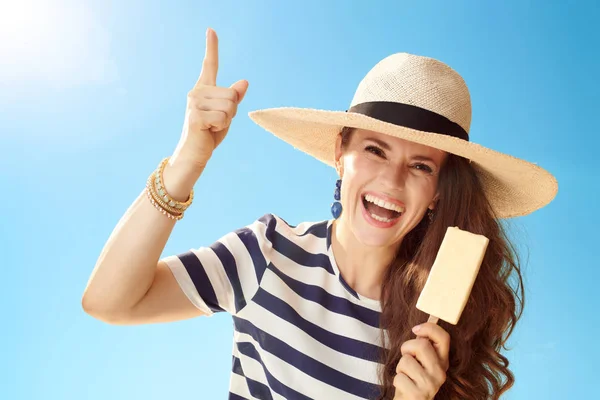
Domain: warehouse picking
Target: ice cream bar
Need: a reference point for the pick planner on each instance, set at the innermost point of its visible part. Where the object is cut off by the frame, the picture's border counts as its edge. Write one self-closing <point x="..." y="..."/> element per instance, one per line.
<point x="452" y="275"/>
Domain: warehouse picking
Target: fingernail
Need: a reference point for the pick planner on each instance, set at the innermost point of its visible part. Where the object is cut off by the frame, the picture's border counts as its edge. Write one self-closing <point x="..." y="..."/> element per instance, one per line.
<point x="416" y="328"/>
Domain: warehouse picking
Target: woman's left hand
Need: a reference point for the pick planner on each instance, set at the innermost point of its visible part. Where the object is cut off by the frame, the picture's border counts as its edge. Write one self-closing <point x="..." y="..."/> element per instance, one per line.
<point x="422" y="369"/>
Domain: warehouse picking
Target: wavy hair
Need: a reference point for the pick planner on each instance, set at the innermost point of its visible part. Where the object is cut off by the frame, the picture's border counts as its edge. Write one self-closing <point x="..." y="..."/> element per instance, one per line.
<point x="477" y="368"/>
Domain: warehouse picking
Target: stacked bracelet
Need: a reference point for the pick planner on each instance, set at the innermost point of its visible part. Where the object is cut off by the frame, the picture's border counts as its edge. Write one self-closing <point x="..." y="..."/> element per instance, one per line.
<point x="159" y="197"/>
<point x="160" y="208"/>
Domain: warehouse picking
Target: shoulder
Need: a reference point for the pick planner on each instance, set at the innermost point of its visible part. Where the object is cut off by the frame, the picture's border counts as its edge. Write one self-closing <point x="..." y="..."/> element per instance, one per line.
<point x="273" y="224"/>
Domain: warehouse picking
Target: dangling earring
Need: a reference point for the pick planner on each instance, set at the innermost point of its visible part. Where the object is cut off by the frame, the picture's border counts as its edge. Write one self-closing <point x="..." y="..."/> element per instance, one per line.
<point x="430" y="215"/>
<point x="336" y="207"/>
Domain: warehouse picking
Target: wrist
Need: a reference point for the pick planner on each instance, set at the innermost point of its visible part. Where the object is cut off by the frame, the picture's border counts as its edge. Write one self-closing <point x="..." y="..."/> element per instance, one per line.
<point x="179" y="178"/>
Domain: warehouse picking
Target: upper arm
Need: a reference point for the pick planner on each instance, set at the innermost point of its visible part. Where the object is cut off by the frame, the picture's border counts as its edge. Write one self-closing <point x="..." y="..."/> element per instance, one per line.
<point x="220" y="278"/>
<point x="163" y="302"/>
<point x="225" y="276"/>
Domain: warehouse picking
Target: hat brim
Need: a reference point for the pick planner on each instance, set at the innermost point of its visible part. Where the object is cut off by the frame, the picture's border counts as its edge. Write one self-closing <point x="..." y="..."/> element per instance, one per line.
<point x="513" y="186"/>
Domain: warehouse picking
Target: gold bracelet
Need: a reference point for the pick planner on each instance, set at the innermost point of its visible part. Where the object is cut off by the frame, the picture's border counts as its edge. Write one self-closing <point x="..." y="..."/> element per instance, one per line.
<point x="162" y="192"/>
<point x="162" y="210"/>
<point x="158" y="199"/>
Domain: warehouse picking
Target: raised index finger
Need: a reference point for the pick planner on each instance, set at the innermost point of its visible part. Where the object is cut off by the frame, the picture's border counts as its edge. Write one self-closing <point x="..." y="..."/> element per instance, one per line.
<point x="208" y="76"/>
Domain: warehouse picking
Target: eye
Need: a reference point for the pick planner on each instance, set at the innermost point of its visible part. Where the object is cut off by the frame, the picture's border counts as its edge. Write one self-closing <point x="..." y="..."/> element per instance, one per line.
<point x="375" y="150"/>
<point x="423" y="167"/>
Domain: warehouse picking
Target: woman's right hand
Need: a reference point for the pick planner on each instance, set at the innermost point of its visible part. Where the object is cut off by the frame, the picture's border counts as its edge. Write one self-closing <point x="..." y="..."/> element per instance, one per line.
<point x="209" y="111"/>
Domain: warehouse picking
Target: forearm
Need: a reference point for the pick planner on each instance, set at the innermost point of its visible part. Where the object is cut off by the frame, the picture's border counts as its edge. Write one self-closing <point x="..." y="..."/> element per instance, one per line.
<point x="126" y="267"/>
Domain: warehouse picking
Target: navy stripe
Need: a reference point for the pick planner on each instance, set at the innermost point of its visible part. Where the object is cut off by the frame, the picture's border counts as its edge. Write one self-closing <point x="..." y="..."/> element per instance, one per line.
<point x="348" y="288"/>
<point x="319" y="230"/>
<point x="249" y="239"/>
<point x="305" y="363"/>
<point x="343" y="344"/>
<point x="230" y="267"/>
<point x="329" y="233"/>
<point x="198" y="275"/>
<point x="291" y="250"/>
<point x="236" y="366"/>
<point x="332" y="303"/>
<point x="257" y="389"/>
<point x="233" y="396"/>
<point x="271" y="223"/>
<point x="300" y="256"/>
<point x="287" y="392"/>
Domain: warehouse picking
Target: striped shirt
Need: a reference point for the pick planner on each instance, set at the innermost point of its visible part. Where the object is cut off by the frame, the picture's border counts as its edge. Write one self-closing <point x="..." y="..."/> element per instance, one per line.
<point x="300" y="331"/>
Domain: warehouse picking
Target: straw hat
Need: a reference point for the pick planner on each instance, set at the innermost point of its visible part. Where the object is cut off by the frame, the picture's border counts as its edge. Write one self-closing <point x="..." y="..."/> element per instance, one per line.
<point x="422" y="100"/>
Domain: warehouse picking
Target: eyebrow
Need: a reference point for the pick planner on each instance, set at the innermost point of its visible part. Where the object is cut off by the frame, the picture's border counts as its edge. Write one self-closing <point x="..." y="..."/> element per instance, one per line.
<point x="381" y="143"/>
<point x="386" y="146"/>
<point x="423" y="158"/>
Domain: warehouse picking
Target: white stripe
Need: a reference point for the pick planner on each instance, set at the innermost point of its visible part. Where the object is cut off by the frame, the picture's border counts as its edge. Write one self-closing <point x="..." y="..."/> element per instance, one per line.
<point x="314" y="245"/>
<point x="253" y="369"/>
<point x="268" y="322"/>
<point x="309" y="243"/>
<point x="288" y="231"/>
<point x="306" y="344"/>
<point x="245" y="267"/>
<point x="317" y="314"/>
<point x="185" y="282"/>
<point x="217" y="277"/>
<point x="294" y="378"/>
<point x="238" y="385"/>
<point x="315" y="276"/>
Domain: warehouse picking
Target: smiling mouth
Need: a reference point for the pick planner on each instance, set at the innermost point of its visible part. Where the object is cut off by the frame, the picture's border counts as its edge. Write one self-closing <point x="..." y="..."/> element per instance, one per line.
<point x="381" y="210"/>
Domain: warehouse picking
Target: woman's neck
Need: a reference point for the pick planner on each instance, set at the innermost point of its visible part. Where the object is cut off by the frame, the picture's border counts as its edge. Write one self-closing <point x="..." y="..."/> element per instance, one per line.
<point x="362" y="267"/>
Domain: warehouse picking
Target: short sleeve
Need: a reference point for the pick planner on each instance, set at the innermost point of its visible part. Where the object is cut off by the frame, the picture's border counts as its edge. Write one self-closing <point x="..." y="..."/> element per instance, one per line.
<point x="227" y="274"/>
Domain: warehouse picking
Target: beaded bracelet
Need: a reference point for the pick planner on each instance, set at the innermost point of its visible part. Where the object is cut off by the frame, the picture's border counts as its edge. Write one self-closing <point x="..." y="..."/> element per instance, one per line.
<point x="162" y="192"/>
<point x="162" y="210"/>
<point x="158" y="199"/>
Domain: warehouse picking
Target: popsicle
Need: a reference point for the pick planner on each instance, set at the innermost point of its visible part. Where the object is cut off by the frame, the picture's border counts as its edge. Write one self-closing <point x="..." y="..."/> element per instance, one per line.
<point x="452" y="275"/>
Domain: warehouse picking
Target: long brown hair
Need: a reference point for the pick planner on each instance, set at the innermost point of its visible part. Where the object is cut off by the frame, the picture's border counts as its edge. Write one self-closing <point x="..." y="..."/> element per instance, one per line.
<point x="477" y="369"/>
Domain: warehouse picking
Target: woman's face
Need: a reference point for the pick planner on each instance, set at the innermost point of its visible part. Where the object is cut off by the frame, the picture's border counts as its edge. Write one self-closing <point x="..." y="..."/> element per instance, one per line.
<point x="387" y="185"/>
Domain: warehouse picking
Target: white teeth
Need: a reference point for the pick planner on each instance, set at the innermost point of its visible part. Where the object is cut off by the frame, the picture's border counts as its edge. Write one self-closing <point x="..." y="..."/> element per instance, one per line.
<point x="382" y="203"/>
<point x="380" y="219"/>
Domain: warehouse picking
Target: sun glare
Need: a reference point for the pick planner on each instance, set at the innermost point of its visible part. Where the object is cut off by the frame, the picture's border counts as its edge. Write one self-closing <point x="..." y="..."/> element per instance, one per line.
<point x="22" y="19"/>
<point x="24" y="28"/>
<point x="56" y="41"/>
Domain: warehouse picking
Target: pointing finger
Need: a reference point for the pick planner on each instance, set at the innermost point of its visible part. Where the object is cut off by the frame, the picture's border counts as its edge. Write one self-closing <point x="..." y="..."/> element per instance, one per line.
<point x="208" y="76"/>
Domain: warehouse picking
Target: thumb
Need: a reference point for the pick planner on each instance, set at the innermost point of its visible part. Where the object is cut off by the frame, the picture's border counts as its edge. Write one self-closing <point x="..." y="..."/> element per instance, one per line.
<point x="240" y="87"/>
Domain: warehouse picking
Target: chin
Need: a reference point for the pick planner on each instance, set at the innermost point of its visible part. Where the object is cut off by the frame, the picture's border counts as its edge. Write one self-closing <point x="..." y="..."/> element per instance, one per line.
<point x="370" y="242"/>
<point x="374" y="237"/>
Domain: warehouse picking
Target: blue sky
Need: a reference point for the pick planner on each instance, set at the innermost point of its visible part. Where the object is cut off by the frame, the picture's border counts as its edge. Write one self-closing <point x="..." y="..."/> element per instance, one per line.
<point x="92" y="95"/>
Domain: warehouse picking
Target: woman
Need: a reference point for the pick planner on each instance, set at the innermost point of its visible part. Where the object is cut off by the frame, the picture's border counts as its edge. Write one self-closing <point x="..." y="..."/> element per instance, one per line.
<point x="327" y="309"/>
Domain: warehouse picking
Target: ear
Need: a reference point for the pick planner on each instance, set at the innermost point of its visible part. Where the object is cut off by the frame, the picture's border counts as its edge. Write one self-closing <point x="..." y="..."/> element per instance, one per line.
<point x="434" y="201"/>
<point x="339" y="164"/>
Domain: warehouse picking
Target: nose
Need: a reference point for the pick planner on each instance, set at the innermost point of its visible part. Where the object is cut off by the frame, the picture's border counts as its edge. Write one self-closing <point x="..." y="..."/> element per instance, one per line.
<point x="394" y="177"/>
